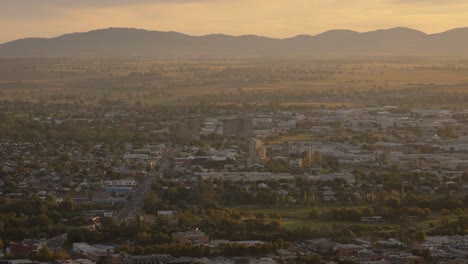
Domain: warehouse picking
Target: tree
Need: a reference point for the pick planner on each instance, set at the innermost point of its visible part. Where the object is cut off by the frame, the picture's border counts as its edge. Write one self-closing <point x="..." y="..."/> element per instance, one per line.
<point x="306" y="259"/>
<point x="143" y="238"/>
<point x="344" y="235"/>
<point x="44" y="254"/>
<point x="425" y="254"/>
<point x="367" y="211"/>
<point x="458" y="212"/>
<point x="419" y="235"/>
<point x="67" y="205"/>
<point x="393" y="202"/>
<point x="77" y="235"/>
<point x="261" y="216"/>
<point x="50" y="201"/>
<point x="314" y="213"/>
<point x="61" y="254"/>
<point x="446" y="132"/>
<point x="207" y="193"/>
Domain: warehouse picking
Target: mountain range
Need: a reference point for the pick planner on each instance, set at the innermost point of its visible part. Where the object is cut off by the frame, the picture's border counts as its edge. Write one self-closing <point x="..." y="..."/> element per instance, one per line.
<point x="125" y="42"/>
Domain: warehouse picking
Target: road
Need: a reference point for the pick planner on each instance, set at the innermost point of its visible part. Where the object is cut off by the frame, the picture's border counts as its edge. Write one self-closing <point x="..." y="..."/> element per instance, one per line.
<point x="136" y="201"/>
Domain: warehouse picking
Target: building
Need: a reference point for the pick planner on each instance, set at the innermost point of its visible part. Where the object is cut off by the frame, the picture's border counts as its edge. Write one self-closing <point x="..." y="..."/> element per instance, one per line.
<point x="144" y="259"/>
<point x="119" y="186"/>
<point x="105" y="197"/>
<point x="18" y="261"/>
<point x="188" y="128"/>
<point x="257" y="153"/>
<point x="391" y="242"/>
<point x="170" y="216"/>
<point x="22" y="249"/>
<point x="194" y="237"/>
<point x="95" y="253"/>
<point x="26" y="247"/>
<point x="120" y="183"/>
<point x="237" y="127"/>
<point x="328" y="196"/>
<point x="371" y="219"/>
<point x="245" y="176"/>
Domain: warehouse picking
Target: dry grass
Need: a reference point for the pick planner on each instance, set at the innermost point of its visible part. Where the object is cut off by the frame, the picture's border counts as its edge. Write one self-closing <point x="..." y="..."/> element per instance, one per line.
<point x="192" y="81"/>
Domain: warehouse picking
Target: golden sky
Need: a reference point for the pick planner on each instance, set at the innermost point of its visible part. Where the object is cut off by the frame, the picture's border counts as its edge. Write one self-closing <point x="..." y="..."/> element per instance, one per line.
<point x="273" y="18"/>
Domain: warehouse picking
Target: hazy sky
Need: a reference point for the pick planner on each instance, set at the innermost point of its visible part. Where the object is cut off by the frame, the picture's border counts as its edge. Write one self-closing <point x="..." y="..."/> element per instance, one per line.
<point x="274" y="18"/>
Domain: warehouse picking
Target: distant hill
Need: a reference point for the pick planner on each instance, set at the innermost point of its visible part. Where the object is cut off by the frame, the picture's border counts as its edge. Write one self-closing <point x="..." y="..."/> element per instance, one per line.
<point x="137" y="42"/>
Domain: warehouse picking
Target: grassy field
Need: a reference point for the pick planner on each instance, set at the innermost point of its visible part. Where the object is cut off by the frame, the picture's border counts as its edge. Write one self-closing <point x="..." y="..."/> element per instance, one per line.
<point x="293" y="217"/>
<point x="290" y="83"/>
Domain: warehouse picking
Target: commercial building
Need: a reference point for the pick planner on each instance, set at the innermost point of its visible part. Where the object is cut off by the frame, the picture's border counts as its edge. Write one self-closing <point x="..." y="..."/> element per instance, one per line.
<point x="237" y="127"/>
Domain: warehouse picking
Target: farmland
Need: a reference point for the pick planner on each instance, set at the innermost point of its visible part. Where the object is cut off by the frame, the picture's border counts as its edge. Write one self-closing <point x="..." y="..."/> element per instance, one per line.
<point x="291" y="83"/>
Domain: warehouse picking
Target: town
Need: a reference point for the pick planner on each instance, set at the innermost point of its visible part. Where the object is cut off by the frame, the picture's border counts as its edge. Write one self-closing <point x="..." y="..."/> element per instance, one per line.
<point x="233" y="132"/>
<point x="115" y="181"/>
